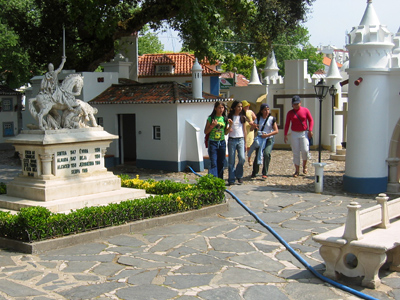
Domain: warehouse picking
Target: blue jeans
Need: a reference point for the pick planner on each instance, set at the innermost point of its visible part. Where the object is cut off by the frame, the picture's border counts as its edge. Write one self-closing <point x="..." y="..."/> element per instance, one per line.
<point x="267" y="158"/>
<point x="216" y="153"/>
<point x="258" y="143"/>
<point x="235" y="144"/>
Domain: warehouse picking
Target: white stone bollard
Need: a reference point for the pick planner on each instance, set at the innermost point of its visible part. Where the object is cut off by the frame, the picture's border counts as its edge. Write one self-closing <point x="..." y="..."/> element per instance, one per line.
<point x="319" y="177"/>
<point x="333" y="142"/>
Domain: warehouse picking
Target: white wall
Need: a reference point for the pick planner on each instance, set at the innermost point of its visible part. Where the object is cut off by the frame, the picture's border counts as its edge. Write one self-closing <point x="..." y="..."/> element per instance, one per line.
<point x="93" y="88"/>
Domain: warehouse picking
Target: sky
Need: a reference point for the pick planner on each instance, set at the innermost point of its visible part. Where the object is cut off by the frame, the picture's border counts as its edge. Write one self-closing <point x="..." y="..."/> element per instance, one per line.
<point x="327" y="22"/>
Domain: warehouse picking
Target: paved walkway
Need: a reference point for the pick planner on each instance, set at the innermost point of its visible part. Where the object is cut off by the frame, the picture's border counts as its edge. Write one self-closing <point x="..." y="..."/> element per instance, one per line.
<point x="228" y="256"/>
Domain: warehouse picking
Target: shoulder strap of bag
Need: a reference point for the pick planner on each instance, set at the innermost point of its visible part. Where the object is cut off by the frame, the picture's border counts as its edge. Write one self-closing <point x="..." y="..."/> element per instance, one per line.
<point x="265" y="122"/>
<point x="300" y="119"/>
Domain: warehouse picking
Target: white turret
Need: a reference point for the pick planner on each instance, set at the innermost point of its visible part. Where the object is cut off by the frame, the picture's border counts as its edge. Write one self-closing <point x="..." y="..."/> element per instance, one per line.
<point x="197" y="80"/>
<point x="370" y="48"/>
<point x="254" y="79"/>
<point x="271" y="70"/>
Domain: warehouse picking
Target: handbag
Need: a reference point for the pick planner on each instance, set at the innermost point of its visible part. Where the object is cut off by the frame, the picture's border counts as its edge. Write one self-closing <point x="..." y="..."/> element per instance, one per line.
<point x="310" y="140"/>
<point x="206" y="138"/>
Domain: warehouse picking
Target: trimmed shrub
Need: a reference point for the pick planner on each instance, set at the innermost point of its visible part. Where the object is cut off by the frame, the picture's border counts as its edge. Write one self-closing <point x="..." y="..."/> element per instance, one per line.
<point x="168" y="197"/>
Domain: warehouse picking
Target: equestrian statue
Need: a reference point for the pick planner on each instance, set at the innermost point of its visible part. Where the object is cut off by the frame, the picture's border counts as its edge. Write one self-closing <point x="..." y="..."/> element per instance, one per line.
<point x="56" y="107"/>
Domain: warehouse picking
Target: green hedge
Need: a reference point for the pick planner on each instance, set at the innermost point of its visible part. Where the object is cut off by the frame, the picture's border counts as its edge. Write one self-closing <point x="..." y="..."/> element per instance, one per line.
<point x="38" y="223"/>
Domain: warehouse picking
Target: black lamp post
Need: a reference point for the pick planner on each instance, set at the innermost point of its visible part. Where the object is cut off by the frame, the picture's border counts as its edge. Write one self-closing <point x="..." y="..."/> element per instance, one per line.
<point x="332" y="92"/>
<point x="320" y="90"/>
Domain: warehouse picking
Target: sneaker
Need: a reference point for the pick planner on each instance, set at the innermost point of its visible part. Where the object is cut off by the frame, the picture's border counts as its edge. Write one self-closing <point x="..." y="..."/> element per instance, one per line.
<point x="240" y="180"/>
<point x="230" y="183"/>
<point x="253" y="176"/>
<point x="264" y="177"/>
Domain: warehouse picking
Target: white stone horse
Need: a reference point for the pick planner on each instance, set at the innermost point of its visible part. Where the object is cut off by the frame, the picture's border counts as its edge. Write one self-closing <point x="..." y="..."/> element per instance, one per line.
<point x="44" y="108"/>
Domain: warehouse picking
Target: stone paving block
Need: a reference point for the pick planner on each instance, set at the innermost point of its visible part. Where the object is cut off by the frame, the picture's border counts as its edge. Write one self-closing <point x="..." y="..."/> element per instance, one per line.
<point x="169" y="242"/>
<point x="146" y="292"/>
<point x="270" y="216"/>
<point x="304" y="291"/>
<point x="217" y="230"/>
<point x="188" y="281"/>
<point x="266" y="248"/>
<point x="205" y="259"/>
<point x="48" y="278"/>
<point x="145" y="277"/>
<point x="90" y="291"/>
<point x="107" y="269"/>
<point x="78" y="266"/>
<point x="25" y="275"/>
<point x="296" y="274"/>
<point x="264" y="292"/>
<point x="243" y="233"/>
<point x="198" y="243"/>
<point x="123" y="250"/>
<point x="13" y="269"/>
<point x="48" y="265"/>
<point x="158" y="257"/>
<point x="300" y="225"/>
<point x="182" y="251"/>
<point x="86" y="278"/>
<point x="220" y="294"/>
<point x="125" y="240"/>
<point x="141" y="263"/>
<point x="125" y="274"/>
<point x="259" y="261"/>
<point x="91" y="248"/>
<point x="100" y="258"/>
<point x="243" y="276"/>
<point x="14" y="289"/>
<point x="228" y="245"/>
<point x="6" y="261"/>
<point x="198" y="269"/>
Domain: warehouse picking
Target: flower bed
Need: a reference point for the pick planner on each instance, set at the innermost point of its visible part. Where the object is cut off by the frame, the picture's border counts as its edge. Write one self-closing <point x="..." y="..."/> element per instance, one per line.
<point x="38" y="223"/>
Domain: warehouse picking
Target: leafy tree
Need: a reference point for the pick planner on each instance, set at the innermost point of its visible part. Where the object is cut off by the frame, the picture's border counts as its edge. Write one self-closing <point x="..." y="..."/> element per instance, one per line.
<point x="148" y="42"/>
<point x="287" y="46"/>
<point x="93" y="26"/>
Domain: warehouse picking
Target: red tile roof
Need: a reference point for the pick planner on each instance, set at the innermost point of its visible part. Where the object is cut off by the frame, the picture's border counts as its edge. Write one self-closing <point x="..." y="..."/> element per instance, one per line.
<point x="327" y="62"/>
<point x="182" y="62"/>
<point x="151" y="93"/>
<point x="240" y="79"/>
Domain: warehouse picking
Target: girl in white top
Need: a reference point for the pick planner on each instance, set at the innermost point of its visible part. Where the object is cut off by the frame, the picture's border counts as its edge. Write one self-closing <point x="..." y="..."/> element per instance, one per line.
<point x="236" y="142"/>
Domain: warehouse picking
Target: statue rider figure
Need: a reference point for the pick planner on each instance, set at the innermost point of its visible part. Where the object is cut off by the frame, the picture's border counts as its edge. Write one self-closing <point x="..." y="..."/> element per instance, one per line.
<point x="50" y="86"/>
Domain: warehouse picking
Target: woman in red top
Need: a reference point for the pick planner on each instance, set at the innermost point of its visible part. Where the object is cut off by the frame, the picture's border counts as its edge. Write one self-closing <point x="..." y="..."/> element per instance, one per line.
<point x="299" y="116"/>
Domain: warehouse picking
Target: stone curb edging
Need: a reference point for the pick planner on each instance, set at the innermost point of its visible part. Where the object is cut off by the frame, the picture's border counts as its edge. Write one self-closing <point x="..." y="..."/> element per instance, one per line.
<point x="90" y="236"/>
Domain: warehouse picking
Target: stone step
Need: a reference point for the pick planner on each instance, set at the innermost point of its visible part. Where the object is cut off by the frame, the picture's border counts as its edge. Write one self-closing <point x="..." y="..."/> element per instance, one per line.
<point x="67" y="204"/>
<point x="341" y="151"/>
<point x="13" y="212"/>
<point x="338" y="157"/>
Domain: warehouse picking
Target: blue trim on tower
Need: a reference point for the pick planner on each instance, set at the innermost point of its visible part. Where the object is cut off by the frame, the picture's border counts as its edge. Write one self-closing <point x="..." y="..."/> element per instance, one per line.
<point x="172" y="166"/>
<point x="360" y="185"/>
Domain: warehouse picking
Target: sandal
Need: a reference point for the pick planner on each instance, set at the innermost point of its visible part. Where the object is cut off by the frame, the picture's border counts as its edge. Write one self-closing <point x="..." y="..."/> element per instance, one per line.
<point x="295" y="175"/>
<point x="305" y="170"/>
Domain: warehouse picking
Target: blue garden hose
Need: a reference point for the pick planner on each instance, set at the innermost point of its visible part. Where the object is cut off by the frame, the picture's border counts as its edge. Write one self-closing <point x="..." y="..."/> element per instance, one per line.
<point x="295" y="254"/>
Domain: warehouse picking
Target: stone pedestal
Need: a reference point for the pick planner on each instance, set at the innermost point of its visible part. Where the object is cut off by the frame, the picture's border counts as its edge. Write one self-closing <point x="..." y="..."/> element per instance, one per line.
<point x="319" y="177"/>
<point x="333" y="142"/>
<point x="64" y="165"/>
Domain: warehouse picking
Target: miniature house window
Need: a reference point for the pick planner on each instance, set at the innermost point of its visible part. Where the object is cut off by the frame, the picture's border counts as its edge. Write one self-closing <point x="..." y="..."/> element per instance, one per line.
<point x="6" y="105"/>
<point x="100" y="79"/>
<point x="100" y="121"/>
<point x="164" y="69"/>
<point x="8" y="129"/>
<point x="156" y="132"/>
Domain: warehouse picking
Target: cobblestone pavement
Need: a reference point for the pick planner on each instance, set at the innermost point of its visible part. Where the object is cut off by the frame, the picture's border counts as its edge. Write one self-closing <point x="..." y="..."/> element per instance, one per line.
<point x="227" y="256"/>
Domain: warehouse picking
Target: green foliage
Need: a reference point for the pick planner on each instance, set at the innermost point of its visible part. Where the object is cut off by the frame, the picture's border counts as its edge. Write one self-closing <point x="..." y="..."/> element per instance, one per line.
<point x="93" y="26"/>
<point x="148" y="42"/>
<point x="38" y="223"/>
<point x="287" y="46"/>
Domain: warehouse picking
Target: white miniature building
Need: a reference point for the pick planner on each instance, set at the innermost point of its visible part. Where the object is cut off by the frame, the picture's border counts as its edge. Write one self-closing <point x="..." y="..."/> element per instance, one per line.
<point x="374" y="105"/>
<point x="10" y="114"/>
